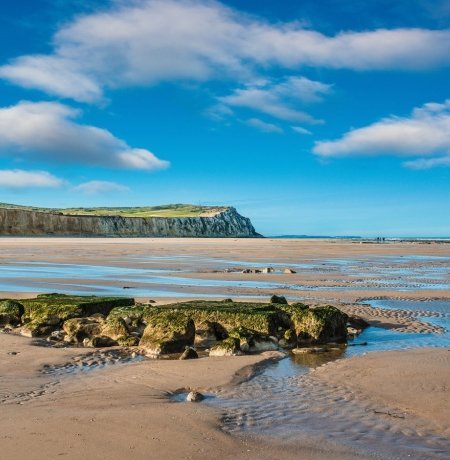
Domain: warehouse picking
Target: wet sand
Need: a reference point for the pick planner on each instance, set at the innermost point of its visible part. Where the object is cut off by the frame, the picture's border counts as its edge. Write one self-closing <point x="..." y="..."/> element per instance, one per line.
<point x="123" y="411"/>
<point x="413" y="384"/>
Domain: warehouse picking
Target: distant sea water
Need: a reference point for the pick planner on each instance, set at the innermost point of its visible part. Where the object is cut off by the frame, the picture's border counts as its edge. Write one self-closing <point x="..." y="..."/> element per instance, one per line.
<point x="365" y="238"/>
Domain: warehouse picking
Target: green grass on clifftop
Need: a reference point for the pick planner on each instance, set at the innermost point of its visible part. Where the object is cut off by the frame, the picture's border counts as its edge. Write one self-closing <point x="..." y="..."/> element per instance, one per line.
<point x="170" y="210"/>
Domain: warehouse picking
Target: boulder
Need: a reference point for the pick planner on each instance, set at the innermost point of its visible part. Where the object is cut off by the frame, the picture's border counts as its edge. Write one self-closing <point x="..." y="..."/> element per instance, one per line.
<point x="268" y="270"/>
<point x="289" y="339"/>
<point x="167" y="331"/>
<point x="253" y="341"/>
<point x="41" y="327"/>
<point x="11" y="312"/>
<point x="79" y="329"/>
<point x="101" y="341"/>
<point x="128" y="341"/>
<point x="189" y="353"/>
<point x="227" y="347"/>
<point x="289" y="271"/>
<point x="280" y="299"/>
<point x="57" y="336"/>
<point x="47" y="312"/>
<point x="208" y="333"/>
<point x="319" y="324"/>
<point x="115" y="327"/>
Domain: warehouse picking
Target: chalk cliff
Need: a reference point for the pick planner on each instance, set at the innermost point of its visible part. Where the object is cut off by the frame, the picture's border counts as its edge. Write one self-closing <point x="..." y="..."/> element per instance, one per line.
<point x="225" y="223"/>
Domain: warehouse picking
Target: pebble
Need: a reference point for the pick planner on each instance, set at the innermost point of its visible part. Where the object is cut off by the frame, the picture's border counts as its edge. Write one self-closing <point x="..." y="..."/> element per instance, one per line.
<point x="194" y="396"/>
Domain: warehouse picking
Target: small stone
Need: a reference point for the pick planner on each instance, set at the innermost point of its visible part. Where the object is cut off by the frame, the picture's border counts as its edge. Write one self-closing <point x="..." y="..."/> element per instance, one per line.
<point x="280" y="299"/>
<point x="194" y="396"/>
<point x="189" y="353"/>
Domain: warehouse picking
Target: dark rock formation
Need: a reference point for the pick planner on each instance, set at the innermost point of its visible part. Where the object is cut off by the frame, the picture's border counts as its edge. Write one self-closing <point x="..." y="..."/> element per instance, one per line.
<point x="226" y="223"/>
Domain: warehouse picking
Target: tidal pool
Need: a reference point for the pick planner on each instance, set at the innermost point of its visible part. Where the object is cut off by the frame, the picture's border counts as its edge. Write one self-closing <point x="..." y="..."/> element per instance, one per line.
<point x="282" y="400"/>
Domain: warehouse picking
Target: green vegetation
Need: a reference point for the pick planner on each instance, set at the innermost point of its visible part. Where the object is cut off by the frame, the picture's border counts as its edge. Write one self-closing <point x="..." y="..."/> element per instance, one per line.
<point x="11" y="312"/>
<point x="47" y="312"/>
<point x="227" y="327"/>
<point x="317" y="324"/>
<point x="168" y="331"/>
<point x="170" y="210"/>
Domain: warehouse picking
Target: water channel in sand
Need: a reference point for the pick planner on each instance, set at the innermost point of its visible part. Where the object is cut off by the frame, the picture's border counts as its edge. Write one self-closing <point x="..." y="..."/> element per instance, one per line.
<point x="282" y="400"/>
<point x="184" y="276"/>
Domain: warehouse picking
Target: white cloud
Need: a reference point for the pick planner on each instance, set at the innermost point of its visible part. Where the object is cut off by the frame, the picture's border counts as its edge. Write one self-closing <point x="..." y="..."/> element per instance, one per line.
<point x="47" y="130"/>
<point x="98" y="186"/>
<point x="54" y="75"/>
<point x="263" y="126"/>
<point x="277" y="99"/>
<point x="17" y="179"/>
<point x="300" y="130"/>
<point x="149" y="41"/>
<point x="425" y="134"/>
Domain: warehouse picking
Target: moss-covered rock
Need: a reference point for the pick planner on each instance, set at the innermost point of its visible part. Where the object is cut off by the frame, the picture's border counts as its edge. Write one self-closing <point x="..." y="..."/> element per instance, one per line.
<point x="189" y="353"/>
<point x="253" y="341"/>
<point x="259" y="317"/>
<point x="168" y="331"/>
<point x="317" y="325"/>
<point x="289" y="339"/>
<point x="128" y="341"/>
<point x="102" y="341"/>
<point x="47" y="312"/>
<point x="207" y="333"/>
<point x="278" y="299"/>
<point x="79" y="329"/>
<point x="115" y="327"/>
<point x="227" y="347"/>
<point x="11" y="312"/>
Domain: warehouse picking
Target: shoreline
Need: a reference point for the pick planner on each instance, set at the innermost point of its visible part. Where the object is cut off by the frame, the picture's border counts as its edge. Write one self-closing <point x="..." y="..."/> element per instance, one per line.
<point x="80" y="400"/>
<point x="85" y="412"/>
<point x="124" y="411"/>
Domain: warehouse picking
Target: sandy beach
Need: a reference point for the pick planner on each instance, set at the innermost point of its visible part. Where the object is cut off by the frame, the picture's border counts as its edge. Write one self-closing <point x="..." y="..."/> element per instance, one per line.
<point x="124" y="410"/>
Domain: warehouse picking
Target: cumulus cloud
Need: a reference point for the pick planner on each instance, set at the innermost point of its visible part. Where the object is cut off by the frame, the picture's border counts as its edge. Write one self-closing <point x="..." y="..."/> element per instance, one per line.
<point x="98" y="186"/>
<point x="149" y="41"/>
<point x="48" y="131"/>
<point x="278" y="99"/>
<point x="424" y="134"/>
<point x="18" y="179"/>
<point x="263" y="126"/>
<point x="300" y="130"/>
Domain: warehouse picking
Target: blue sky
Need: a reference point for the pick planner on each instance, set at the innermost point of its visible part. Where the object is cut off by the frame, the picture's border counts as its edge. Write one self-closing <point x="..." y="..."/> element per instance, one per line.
<point x="328" y="117"/>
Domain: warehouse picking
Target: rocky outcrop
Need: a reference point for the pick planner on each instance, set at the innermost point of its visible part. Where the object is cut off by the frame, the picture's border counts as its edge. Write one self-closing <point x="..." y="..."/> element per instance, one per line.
<point x="227" y="328"/>
<point x="225" y="223"/>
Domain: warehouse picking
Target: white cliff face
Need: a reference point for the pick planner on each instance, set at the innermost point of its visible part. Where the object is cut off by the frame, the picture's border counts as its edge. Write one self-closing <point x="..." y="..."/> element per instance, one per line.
<point x="225" y="224"/>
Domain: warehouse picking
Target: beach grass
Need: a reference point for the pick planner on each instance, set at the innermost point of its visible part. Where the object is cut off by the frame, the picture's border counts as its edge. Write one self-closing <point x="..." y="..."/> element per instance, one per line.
<point x="169" y="210"/>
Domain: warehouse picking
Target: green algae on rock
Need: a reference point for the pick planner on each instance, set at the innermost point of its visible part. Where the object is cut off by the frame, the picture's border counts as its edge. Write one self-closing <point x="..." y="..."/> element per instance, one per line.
<point x="47" y="312"/>
<point x="168" y="331"/>
<point x="227" y="347"/>
<point x="319" y="324"/>
<point x="226" y="327"/>
<point x="11" y="312"/>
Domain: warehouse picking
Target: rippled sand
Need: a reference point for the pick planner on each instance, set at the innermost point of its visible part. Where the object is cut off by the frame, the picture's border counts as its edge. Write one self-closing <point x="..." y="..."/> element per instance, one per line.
<point x="75" y="403"/>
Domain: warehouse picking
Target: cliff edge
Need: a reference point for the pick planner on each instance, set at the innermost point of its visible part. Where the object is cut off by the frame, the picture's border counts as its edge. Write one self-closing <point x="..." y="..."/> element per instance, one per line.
<point x="206" y="222"/>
